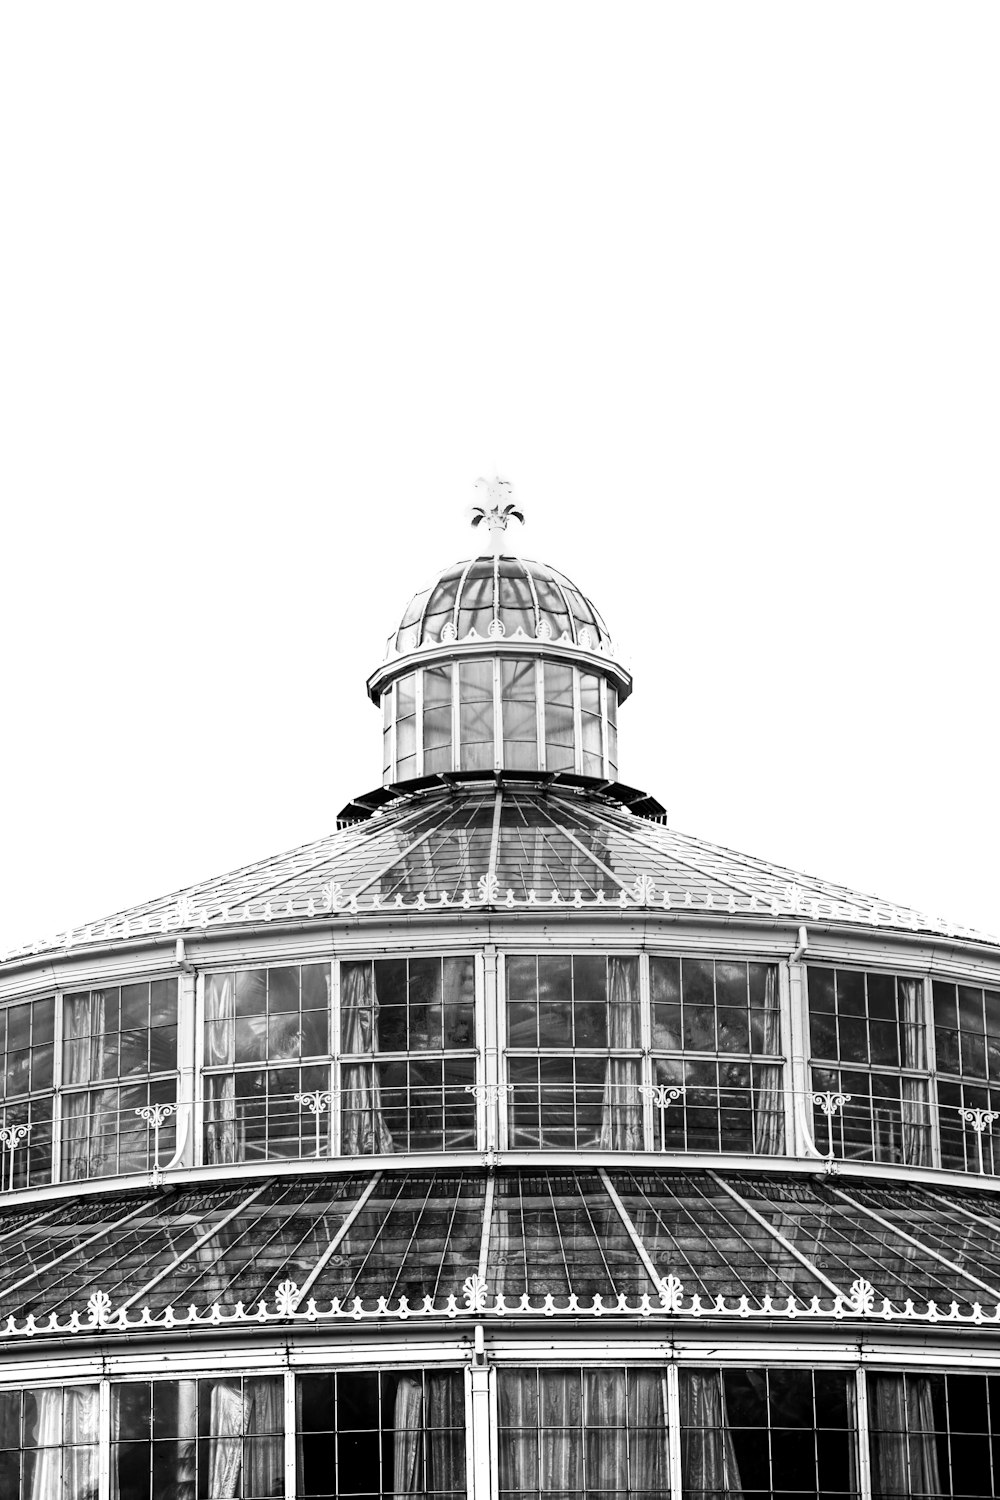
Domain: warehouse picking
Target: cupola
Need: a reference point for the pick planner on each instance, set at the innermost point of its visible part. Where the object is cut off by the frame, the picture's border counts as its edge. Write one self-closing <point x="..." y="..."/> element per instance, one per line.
<point x="500" y="663"/>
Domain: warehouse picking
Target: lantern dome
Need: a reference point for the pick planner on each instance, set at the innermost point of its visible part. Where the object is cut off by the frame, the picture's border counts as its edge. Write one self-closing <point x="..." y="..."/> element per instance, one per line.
<point x="497" y="597"/>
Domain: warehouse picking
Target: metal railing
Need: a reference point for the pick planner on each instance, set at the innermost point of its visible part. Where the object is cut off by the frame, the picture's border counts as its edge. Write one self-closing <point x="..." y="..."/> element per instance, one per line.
<point x="664" y="1118"/>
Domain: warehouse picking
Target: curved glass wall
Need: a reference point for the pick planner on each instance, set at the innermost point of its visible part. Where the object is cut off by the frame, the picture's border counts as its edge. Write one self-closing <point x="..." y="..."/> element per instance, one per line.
<point x="716" y="1035"/>
<point x="79" y="1098"/>
<point x="869" y="1050"/>
<point x="488" y="713"/>
<point x="578" y="1430"/>
<point x="373" y="1056"/>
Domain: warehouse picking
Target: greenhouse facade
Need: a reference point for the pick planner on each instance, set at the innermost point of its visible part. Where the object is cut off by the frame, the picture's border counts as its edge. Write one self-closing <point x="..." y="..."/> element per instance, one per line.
<point x="502" y="1142"/>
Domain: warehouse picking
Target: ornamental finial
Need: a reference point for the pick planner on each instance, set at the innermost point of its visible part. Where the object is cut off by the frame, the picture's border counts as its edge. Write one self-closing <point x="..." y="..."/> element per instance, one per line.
<point x="497" y="510"/>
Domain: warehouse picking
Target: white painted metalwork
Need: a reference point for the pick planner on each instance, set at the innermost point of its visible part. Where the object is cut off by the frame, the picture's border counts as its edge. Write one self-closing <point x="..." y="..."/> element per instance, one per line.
<point x="154" y="1116"/>
<point x="981" y="1120"/>
<point x="317" y="1101"/>
<point x="661" y="1096"/>
<point x="831" y="1103"/>
<point x="12" y="1136"/>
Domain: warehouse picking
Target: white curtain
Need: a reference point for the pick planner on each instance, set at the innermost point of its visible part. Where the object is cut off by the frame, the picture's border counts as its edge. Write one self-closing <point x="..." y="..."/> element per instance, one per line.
<point x="541" y="1443"/>
<point x="65" y="1437"/>
<point x="621" y="1107"/>
<point x="225" y="1442"/>
<point x="708" y="1458"/>
<point x="220" y="1114"/>
<point x="916" y="1122"/>
<point x="265" y="1423"/>
<point x="904" y="1448"/>
<point x="768" y="1105"/>
<point x="363" y="1128"/>
<point x="625" y="1427"/>
<point x="446" y="1433"/>
<point x="407" y="1421"/>
<point x="648" y="1433"/>
<point x="85" y="1152"/>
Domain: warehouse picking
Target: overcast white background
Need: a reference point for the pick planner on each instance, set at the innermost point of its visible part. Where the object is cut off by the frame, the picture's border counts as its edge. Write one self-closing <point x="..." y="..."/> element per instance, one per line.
<point x="716" y="286"/>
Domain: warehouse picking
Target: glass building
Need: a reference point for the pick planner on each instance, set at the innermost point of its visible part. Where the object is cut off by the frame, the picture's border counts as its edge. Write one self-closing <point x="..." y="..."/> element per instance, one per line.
<point x="503" y="1142"/>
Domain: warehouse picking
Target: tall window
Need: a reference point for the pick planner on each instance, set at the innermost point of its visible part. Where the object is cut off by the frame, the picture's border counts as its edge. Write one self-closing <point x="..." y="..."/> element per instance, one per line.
<point x="967" y="1048"/>
<point x="406" y="727"/>
<point x="119" y="1054"/>
<point x="437" y="719"/>
<point x="383" y="1435"/>
<point x="219" y="1436"/>
<point x="716" y="1035"/>
<point x="408" y="1055"/>
<point x="612" y="732"/>
<point x="27" y="1030"/>
<point x="49" y="1442"/>
<point x="768" y="1432"/>
<point x="475" y="695"/>
<point x="868" y="1040"/>
<point x="559" y="731"/>
<point x="267" y="1038"/>
<point x="520" y="721"/>
<point x="590" y="724"/>
<point x="574" y="1052"/>
<point x="583" y="1432"/>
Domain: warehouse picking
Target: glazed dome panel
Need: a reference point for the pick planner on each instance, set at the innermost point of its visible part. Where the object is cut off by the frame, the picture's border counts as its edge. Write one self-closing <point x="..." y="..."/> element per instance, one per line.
<point x="510" y="591"/>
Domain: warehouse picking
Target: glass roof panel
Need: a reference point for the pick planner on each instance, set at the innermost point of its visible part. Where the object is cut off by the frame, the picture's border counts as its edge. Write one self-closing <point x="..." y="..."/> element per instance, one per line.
<point x="451" y="860"/>
<point x="130" y="1254"/>
<point x="517" y="603"/>
<point x="534" y="854"/>
<point x="47" y="1239"/>
<point x="560" y="1233"/>
<point x="695" y="1231"/>
<point x="975" y="1247"/>
<point x="845" y="1244"/>
<point x="280" y="1236"/>
<point x="552" y="605"/>
<point x="417" y="1236"/>
<point x="475" y="608"/>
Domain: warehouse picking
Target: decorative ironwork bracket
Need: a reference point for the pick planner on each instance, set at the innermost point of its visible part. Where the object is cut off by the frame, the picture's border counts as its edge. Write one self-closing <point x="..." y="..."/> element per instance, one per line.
<point x="11" y="1137"/>
<point x="981" y="1120"/>
<point x="317" y="1101"/>
<point x="154" y="1116"/>
<point x="662" y="1095"/>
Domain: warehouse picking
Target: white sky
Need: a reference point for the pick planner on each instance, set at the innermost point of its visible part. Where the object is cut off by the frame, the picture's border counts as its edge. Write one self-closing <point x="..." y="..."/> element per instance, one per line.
<point x="716" y="286"/>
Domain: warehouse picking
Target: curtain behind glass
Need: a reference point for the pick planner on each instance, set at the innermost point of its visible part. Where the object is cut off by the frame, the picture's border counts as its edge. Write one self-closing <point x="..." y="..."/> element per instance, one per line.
<point x="708" y="1458"/>
<point x="768" y="1107"/>
<point x="65" y="1436"/>
<point x="647" y="1399"/>
<point x="407" y="1423"/>
<point x="626" y="1432"/>
<point x="542" y="1448"/>
<point x="916" y="1124"/>
<point x="84" y="1152"/>
<point x="225" y="1440"/>
<point x="446" y="1433"/>
<point x="621" y="1107"/>
<point x="265" y="1424"/>
<point x="904" y="1449"/>
<point x="220" y="1044"/>
<point x="363" y="1128"/>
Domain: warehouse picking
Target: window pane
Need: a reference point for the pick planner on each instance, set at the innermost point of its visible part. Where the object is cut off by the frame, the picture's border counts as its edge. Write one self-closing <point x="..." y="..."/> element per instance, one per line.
<point x="558" y="717"/>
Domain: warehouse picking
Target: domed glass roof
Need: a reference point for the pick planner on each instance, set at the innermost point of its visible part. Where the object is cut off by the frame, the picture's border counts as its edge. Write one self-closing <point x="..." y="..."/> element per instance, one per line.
<point x="512" y="591"/>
